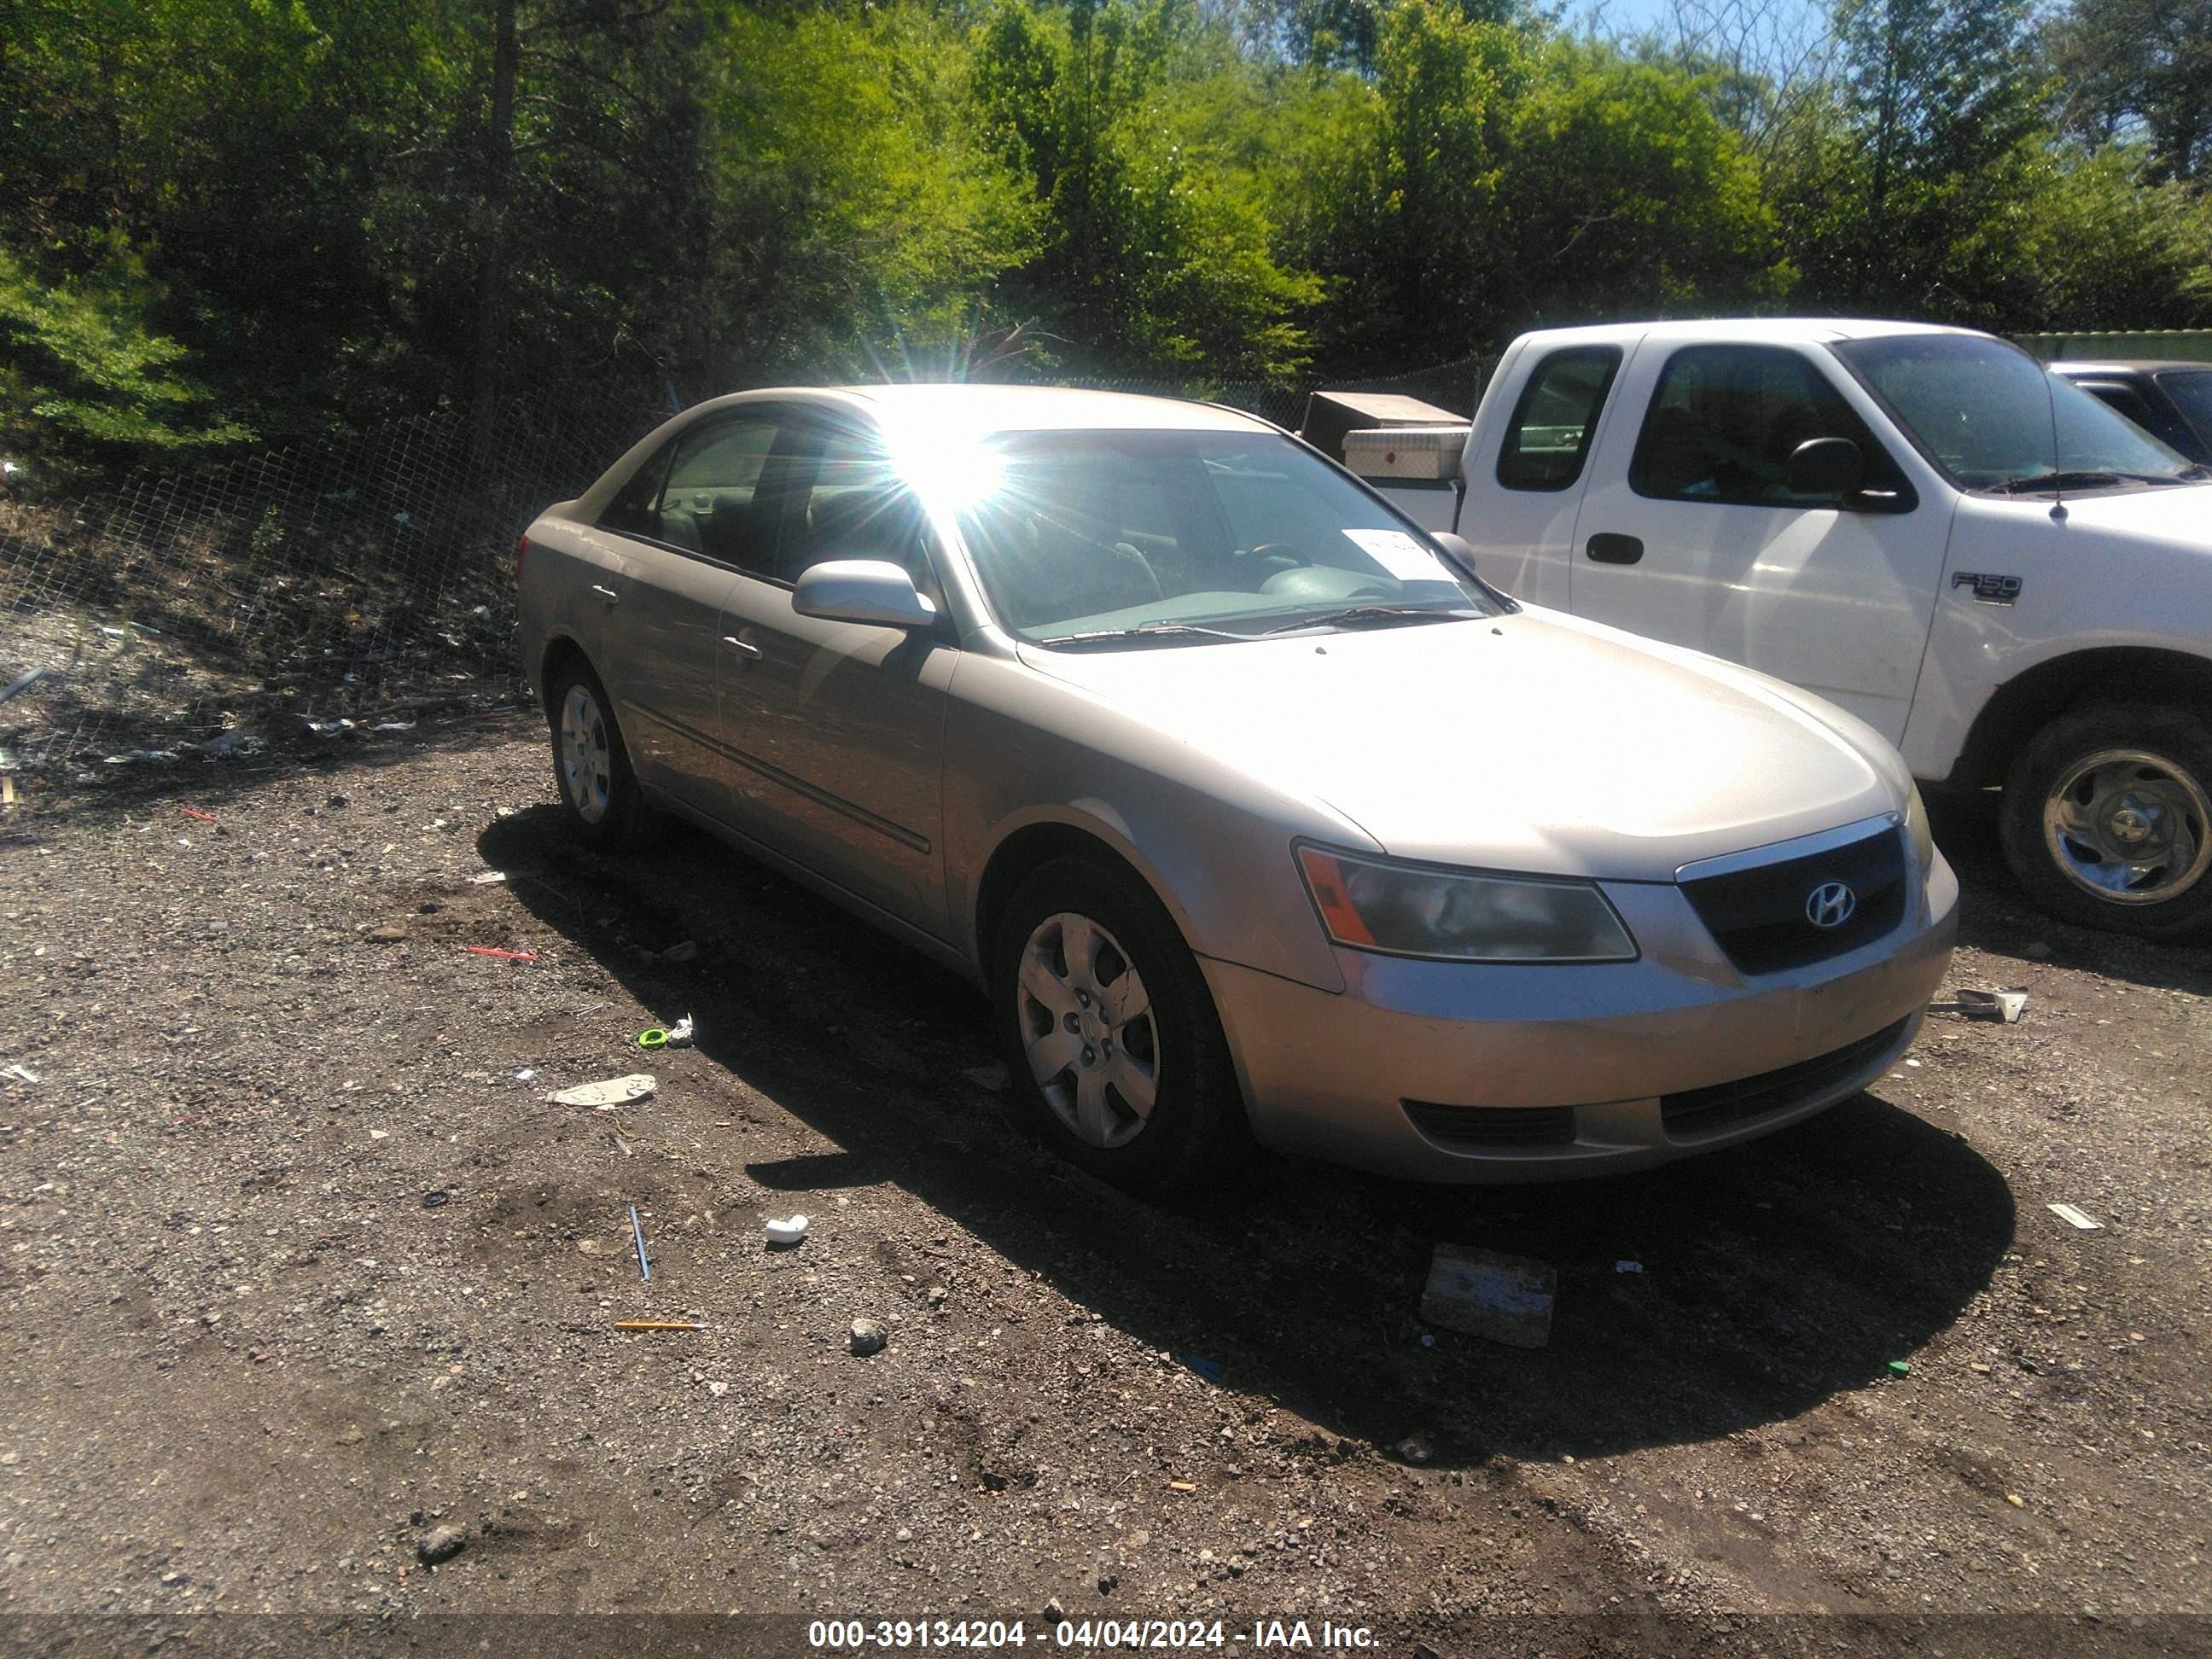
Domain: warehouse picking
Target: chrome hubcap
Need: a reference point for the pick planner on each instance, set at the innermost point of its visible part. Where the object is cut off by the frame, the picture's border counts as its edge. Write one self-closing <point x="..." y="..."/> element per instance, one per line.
<point x="1087" y="1030"/>
<point x="584" y="771"/>
<point x="2128" y="826"/>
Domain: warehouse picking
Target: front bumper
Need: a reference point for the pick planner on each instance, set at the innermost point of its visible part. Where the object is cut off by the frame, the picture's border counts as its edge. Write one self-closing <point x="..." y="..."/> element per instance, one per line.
<point x="1470" y="1072"/>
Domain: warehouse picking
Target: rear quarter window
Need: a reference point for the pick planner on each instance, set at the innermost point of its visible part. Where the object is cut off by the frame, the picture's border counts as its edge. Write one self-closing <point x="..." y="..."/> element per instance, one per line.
<point x="1549" y="437"/>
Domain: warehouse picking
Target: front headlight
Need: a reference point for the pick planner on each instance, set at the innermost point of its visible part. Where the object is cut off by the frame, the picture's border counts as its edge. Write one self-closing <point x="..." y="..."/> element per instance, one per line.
<point x="1916" y="826"/>
<point x="1418" y="910"/>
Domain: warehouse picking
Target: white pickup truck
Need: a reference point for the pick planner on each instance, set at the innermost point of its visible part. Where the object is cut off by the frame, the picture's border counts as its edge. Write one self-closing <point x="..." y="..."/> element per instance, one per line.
<point x="2007" y="581"/>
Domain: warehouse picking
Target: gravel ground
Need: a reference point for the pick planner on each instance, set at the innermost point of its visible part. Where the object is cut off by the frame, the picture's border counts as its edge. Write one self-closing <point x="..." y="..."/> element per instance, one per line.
<point x="307" y="1286"/>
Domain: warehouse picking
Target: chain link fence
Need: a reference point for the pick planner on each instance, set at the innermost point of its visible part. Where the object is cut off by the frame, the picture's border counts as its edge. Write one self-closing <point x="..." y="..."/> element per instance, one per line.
<point x="335" y="586"/>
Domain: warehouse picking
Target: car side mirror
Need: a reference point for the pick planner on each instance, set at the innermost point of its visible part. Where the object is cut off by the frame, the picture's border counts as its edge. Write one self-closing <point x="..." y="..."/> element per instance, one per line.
<point x="1826" y="466"/>
<point x="872" y="590"/>
<point x="1458" y="550"/>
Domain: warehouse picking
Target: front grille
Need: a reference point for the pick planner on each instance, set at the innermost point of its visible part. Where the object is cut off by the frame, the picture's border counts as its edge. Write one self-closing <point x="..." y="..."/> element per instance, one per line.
<point x="1758" y="915"/>
<point x="1702" y="1111"/>
<point x="1494" y="1125"/>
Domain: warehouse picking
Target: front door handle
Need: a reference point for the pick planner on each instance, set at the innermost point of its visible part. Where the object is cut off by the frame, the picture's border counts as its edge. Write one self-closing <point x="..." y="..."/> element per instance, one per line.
<point x="742" y="648"/>
<point x="1605" y="548"/>
<point x="607" y="593"/>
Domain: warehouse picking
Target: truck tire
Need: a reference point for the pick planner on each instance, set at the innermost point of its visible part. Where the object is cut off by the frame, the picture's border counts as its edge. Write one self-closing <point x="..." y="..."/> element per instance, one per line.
<point x="2107" y="820"/>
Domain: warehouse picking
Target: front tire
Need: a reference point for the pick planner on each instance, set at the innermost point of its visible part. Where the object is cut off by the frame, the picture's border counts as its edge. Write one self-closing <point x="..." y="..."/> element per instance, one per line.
<point x="599" y="793"/>
<point x="1115" y="1053"/>
<point x="2107" y="820"/>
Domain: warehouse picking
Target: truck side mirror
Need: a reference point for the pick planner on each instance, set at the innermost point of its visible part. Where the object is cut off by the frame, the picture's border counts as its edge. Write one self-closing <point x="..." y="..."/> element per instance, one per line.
<point x="1826" y="466"/>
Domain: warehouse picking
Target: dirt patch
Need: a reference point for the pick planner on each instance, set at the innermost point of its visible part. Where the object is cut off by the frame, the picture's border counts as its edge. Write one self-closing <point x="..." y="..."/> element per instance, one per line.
<point x="302" y="1265"/>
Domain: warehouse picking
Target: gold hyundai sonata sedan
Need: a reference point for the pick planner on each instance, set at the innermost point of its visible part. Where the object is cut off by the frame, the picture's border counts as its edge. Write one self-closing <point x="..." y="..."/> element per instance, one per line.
<point x="1256" y="813"/>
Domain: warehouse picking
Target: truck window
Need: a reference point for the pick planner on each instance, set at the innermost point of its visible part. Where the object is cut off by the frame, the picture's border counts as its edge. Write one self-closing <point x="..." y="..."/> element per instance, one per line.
<point x="1550" y="434"/>
<point x="1725" y="420"/>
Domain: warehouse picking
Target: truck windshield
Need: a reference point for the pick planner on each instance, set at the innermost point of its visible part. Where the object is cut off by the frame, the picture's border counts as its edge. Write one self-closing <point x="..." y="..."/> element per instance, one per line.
<point x="1993" y="418"/>
<point x="1137" y="539"/>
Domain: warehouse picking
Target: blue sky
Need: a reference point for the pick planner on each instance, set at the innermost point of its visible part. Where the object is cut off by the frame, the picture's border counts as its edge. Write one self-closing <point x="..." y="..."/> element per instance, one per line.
<point x="1796" y="17"/>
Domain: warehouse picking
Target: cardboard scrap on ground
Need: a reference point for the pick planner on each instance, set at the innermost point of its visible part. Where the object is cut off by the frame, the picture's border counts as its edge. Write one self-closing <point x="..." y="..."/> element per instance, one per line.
<point x="613" y="1093"/>
<point x="1506" y="1299"/>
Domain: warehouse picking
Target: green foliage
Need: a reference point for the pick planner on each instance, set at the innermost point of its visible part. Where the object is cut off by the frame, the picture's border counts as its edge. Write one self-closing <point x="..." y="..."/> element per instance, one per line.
<point x="83" y="375"/>
<point x="2139" y="66"/>
<point x="1629" y="192"/>
<point x="859" y="214"/>
<point x="347" y="211"/>
<point x="1157" y="243"/>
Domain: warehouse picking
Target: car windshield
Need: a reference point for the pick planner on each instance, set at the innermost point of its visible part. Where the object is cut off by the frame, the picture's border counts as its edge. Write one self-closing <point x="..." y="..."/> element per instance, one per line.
<point x="1993" y="418"/>
<point x="2191" y="388"/>
<point x="1088" y="537"/>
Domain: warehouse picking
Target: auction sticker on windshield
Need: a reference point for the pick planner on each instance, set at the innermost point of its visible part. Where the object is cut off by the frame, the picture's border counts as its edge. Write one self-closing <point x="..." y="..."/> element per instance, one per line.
<point x="1397" y="553"/>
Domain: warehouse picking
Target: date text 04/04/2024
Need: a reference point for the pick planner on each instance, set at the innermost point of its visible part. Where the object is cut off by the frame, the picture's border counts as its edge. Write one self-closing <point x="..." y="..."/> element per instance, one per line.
<point x="1082" y="1634"/>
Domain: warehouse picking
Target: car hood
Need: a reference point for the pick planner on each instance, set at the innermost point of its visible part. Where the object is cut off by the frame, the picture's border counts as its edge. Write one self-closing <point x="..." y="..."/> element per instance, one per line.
<point x="2179" y="514"/>
<point x="1533" y="742"/>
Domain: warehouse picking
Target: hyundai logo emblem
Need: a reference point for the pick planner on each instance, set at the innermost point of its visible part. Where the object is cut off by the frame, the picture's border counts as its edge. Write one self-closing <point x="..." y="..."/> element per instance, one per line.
<point x="1830" y="904"/>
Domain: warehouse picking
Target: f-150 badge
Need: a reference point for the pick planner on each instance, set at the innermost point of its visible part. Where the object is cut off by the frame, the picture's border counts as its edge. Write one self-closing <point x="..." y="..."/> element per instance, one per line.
<point x="1988" y="589"/>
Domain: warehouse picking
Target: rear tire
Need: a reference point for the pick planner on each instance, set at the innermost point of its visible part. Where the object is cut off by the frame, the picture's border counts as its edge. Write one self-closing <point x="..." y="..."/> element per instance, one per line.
<point x="2107" y="820"/>
<point x="599" y="793"/>
<point x="1115" y="1054"/>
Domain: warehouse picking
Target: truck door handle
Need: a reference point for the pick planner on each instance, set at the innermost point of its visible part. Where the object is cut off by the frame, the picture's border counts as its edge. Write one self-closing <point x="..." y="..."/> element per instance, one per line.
<point x="1605" y="548"/>
<point x="607" y="593"/>
<point x="742" y="648"/>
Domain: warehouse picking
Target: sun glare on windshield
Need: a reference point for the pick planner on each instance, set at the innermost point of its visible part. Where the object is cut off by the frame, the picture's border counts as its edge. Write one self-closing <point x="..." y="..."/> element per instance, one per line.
<point x="956" y="470"/>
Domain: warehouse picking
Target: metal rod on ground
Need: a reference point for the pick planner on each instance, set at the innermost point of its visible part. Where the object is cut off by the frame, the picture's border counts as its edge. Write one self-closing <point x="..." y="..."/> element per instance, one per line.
<point x="637" y="1231"/>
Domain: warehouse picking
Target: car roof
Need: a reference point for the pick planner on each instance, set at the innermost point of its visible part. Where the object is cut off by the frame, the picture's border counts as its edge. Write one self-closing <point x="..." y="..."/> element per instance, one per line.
<point x="1753" y="330"/>
<point x="974" y="408"/>
<point x="2125" y="365"/>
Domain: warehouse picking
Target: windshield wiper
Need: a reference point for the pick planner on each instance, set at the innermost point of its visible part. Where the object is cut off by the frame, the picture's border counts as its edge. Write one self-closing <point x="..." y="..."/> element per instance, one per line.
<point x="2044" y="480"/>
<point x="1143" y="631"/>
<point x="1376" y="613"/>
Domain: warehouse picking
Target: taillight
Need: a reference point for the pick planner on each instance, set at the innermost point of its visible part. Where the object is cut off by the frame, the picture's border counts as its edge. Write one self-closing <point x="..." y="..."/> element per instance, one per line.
<point x="521" y="548"/>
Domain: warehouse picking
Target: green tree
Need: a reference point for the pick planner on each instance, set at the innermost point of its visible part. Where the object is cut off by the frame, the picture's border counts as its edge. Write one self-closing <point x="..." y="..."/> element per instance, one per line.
<point x="1905" y="195"/>
<point x="1155" y="246"/>
<point x="1628" y="192"/>
<point x="2141" y="68"/>
<point x="83" y="376"/>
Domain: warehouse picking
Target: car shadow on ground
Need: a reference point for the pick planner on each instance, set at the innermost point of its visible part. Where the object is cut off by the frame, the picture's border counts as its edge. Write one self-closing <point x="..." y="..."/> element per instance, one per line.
<point x="1996" y="917"/>
<point x="1709" y="1298"/>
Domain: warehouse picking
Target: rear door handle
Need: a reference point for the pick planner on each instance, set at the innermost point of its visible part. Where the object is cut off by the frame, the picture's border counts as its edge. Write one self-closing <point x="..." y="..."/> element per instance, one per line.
<point x="607" y="593"/>
<point x="1605" y="548"/>
<point x="742" y="648"/>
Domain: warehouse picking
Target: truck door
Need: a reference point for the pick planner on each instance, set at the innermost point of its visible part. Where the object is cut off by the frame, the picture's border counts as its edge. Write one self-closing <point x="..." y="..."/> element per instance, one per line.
<point x="1690" y="533"/>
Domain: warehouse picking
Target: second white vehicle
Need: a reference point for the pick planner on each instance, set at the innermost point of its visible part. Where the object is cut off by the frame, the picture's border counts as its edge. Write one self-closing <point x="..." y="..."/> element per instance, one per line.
<point x="1977" y="558"/>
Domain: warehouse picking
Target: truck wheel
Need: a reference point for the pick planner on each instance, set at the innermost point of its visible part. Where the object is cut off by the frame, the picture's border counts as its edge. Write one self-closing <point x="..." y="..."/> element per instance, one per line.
<point x="2107" y="820"/>
<point x="599" y="795"/>
<point x="1117" y="1057"/>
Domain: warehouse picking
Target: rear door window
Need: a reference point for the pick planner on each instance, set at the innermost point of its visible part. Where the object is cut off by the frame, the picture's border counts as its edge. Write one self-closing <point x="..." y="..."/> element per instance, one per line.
<point x="1725" y="420"/>
<point x="1553" y="424"/>
<point x="713" y="503"/>
<point x="632" y="510"/>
